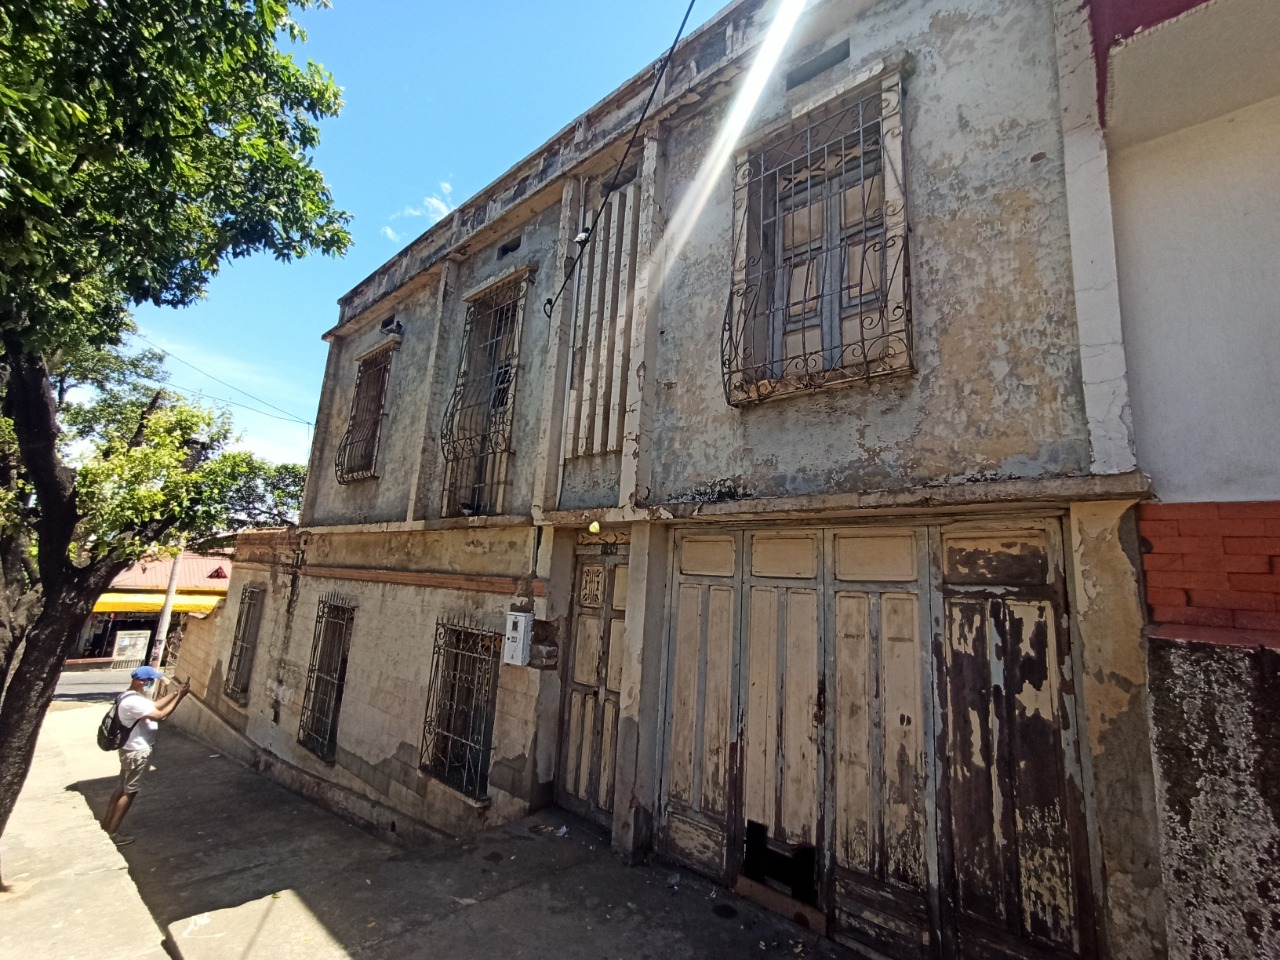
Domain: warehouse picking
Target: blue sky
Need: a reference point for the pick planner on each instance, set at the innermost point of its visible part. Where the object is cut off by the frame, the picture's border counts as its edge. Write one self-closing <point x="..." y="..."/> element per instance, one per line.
<point x="441" y="99"/>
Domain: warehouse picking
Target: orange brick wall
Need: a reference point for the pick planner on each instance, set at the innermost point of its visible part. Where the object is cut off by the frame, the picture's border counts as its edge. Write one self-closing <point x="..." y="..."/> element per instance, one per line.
<point x="1212" y="564"/>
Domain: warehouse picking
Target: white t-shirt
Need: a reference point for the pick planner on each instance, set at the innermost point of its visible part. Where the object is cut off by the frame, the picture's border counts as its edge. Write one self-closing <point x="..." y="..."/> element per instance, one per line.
<point x="135" y="706"/>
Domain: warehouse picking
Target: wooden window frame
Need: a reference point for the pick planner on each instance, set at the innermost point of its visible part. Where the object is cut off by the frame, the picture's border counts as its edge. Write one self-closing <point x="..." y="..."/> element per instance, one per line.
<point x="841" y="328"/>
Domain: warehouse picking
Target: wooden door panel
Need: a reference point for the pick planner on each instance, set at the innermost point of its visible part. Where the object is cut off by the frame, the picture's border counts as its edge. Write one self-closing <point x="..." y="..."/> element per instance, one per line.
<point x="802" y="668"/>
<point x="879" y="877"/>
<point x="717" y="725"/>
<point x="608" y="745"/>
<point x="586" y="652"/>
<point x="976" y="830"/>
<point x="573" y="744"/>
<point x="760" y="776"/>
<point x="853" y="709"/>
<point x="588" y="736"/>
<point x="1013" y="847"/>
<point x="617" y="646"/>
<point x="700" y="695"/>
<point x="903" y="724"/>
<point x="1027" y="632"/>
<point x="684" y="693"/>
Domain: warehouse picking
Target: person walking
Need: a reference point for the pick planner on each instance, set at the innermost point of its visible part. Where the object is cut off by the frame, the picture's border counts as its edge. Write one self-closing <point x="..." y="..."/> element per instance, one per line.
<point x="141" y="716"/>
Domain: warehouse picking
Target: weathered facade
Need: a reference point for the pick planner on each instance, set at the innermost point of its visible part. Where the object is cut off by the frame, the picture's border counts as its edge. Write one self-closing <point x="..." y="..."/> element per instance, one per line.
<point x="803" y="432"/>
<point x="1192" y="116"/>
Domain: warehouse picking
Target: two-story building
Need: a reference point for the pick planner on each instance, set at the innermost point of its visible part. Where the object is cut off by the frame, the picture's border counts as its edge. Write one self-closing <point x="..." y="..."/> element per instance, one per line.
<point x="793" y="405"/>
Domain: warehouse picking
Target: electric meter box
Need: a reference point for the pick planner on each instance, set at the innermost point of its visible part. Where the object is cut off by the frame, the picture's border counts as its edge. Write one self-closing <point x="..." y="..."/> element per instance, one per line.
<point x="515" y="645"/>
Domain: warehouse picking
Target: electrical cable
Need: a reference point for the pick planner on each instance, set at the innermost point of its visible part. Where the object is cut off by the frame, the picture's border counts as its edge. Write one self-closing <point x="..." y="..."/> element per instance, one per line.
<point x="170" y="353"/>
<point x="200" y="393"/>
<point x="549" y="307"/>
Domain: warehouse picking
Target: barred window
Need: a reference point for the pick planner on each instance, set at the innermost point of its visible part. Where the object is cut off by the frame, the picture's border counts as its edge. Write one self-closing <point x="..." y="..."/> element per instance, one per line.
<point x="476" y="435"/>
<point x="457" y="732"/>
<point x="820" y="292"/>
<point x="358" y="451"/>
<point x="244" y="643"/>
<point x="326" y="676"/>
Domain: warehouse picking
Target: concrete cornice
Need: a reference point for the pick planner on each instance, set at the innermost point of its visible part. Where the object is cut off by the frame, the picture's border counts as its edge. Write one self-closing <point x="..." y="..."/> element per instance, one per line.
<point x="960" y="497"/>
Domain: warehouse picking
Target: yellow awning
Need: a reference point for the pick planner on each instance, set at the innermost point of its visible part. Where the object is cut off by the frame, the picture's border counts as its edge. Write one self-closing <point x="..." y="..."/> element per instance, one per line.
<point x="152" y="602"/>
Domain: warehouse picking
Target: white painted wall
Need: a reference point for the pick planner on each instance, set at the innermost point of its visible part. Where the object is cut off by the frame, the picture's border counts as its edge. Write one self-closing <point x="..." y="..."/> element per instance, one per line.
<point x="1197" y="217"/>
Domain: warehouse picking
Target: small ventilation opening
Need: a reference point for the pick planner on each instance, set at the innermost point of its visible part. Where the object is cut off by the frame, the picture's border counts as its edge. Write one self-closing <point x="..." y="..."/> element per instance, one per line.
<point x="510" y="247"/>
<point x="819" y="64"/>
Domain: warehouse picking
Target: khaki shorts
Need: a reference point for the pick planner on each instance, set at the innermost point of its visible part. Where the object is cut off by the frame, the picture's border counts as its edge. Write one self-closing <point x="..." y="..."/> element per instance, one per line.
<point x="133" y="764"/>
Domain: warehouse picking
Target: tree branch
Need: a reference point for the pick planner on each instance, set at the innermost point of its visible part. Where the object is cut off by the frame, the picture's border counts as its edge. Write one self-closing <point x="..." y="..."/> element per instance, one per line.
<point x="29" y="403"/>
<point x="139" y="434"/>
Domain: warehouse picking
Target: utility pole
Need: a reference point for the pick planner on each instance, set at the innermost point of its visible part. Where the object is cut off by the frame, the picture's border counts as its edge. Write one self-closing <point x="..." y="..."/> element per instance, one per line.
<point x="166" y="611"/>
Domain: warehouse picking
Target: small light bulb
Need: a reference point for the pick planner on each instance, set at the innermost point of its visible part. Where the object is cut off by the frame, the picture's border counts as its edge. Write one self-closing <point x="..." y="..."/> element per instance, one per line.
<point x="595" y="526"/>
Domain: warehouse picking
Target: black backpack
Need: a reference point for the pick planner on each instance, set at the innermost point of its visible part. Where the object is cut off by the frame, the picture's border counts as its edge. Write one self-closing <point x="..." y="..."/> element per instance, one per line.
<point x="112" y="734"/>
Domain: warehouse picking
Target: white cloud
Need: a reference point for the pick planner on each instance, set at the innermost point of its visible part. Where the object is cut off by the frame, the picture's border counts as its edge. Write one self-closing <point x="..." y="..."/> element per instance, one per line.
<point x="434" y="207"/>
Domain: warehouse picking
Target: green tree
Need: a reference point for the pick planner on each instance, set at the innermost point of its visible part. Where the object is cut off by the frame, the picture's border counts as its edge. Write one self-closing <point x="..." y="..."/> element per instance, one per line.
<point x="267" y="495"/>
<point x="142" y="145"/>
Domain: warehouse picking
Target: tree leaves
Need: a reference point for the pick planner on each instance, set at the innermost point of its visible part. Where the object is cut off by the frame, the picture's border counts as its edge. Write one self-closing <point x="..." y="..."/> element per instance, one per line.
<point x="141" y="146"/>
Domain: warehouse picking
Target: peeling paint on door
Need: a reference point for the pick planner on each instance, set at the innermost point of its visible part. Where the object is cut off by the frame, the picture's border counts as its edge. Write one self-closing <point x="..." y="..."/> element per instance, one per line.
<point x="827" y="795"/>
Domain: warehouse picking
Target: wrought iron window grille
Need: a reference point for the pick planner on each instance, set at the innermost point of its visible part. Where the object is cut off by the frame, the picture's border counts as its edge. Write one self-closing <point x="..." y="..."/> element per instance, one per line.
<point x="457" y="731"/>
<point x="820" y="293"/>
<point x="326" y="676"/>
<point x="475" y="437"/>
<point x="244" y="643"/>
<point x="358" y="450"/>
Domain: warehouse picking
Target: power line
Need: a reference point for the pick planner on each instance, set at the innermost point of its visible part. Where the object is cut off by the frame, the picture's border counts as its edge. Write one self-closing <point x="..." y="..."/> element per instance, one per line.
<point x="200" y="393"/>
<point x="170" y="353"/>
<point x="549" y="307"/>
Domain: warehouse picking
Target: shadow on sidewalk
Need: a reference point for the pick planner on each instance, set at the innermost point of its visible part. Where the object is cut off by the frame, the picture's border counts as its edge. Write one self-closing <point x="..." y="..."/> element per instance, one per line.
<point x="294" y="880"/>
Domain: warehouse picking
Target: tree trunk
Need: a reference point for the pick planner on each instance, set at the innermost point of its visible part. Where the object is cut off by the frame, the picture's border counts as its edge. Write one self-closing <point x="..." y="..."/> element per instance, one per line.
<point x="47" y="617"/>
<point x="30" y="690"/>
<point x="52" y="621"/>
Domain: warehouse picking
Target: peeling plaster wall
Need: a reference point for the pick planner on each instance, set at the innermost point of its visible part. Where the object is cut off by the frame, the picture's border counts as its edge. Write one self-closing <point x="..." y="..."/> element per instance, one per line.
<point x="991" y="273"/>
<point x="381" y="498"/>
<point x="1111" y="652"/>
<point x="1216" y="714"/>
<point x="388" y="671"/>
<point x="423" y="375"/>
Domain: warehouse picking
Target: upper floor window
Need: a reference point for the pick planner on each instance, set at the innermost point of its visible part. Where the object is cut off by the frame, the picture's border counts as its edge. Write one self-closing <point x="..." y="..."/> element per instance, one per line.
<point x="820" y="291"/>
<point x="358" y="451"/>
<point x="476" y="435"/>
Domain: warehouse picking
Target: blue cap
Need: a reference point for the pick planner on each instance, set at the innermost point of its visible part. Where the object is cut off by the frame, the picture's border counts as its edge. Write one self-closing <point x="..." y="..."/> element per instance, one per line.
<point x="146" y="673"/>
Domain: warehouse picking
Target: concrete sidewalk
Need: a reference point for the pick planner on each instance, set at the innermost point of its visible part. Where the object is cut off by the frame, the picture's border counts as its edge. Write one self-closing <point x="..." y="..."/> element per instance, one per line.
<point x="71" y="894"/>
<point x="233" y="866"/>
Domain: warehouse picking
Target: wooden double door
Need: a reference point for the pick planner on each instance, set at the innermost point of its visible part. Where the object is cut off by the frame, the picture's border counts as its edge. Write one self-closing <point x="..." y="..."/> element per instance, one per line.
<point x="874" y="727"/>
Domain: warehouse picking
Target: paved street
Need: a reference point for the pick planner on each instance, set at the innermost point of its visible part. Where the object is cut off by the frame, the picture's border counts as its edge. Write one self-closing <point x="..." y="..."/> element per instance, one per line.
<point x="231" y="865"/>
<point x="89" y="686"/>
